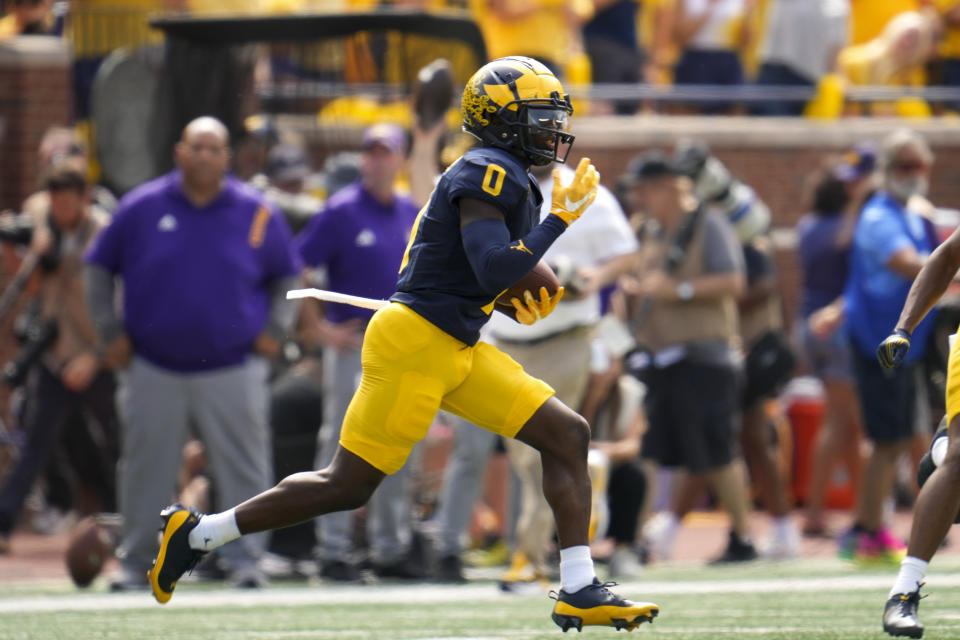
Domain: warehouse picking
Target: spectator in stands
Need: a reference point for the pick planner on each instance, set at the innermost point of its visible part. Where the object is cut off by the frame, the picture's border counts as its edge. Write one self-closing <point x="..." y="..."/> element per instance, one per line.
<point x="824" y="238"/>
<point x="28" y="18"/>
<point x="800" y="45"/>
<point x="890" y="245"/>
<point x="949" y="50"/>
<point x="71" y="385"/>
<point x="546" y="30"/>
<point x="682" y="302"/>
<point x="895" y="57"/>
<point x="359" y="240"/>
<point x="711" y="34"/>
<point x="205" y="266"/>
<point x="613" y="45"/>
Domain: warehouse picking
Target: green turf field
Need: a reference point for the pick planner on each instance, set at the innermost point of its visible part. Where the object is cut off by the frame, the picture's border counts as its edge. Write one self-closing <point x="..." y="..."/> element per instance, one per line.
<point x="815" y="599"/>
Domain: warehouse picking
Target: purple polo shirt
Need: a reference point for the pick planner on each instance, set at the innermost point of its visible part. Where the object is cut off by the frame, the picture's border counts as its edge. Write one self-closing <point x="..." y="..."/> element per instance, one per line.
<point x="195" y="281"/>
<point x="361" y="243"/>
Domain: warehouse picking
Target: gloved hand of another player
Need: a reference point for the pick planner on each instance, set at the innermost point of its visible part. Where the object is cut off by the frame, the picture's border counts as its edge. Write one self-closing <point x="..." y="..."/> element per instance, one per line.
<point x="531" y="310"/>
<point x="571" y="201"/>
<point x="893" y="349"/>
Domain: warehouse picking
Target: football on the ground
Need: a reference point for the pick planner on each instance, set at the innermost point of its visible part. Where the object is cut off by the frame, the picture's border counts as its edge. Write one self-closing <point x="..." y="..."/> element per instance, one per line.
<point x="92" y="543"/>
<point x="433" y="93"/>
<point x="540" y="276"/>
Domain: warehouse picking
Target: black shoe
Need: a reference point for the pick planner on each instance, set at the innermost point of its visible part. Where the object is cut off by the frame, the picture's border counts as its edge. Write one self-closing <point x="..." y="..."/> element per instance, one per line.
<point x="339" y="571"/>
<point x="399" y="570"/>
<point x="175" y="556"/>
<point x="449" y="569"/>
<point x="595" y="604"/>
<point x="738" y="550"/>
<point x="900" y="615"/>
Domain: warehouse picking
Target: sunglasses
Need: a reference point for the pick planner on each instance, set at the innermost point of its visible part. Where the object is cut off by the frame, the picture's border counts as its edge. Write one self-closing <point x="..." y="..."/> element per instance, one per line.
<point x="910" y="165"/>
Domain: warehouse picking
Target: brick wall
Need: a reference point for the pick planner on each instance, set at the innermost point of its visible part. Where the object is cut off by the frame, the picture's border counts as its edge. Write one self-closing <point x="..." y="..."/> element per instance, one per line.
<point x="35" y="93"/>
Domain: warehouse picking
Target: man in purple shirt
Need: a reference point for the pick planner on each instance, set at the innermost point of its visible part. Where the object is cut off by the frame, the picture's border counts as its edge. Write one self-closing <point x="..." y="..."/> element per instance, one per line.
<point x="358" y="241"/>
<point x="205" y="266"/>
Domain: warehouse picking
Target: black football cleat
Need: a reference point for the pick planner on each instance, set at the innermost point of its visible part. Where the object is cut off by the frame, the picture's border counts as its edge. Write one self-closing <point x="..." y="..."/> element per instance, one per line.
<point x="175" y="556"/>
<point x="595" y="604"/>
<point x="900" y="615"/>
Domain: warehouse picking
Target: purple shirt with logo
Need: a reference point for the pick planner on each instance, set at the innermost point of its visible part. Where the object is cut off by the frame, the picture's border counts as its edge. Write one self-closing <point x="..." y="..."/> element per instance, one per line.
<point x="195" y="281"/>
<point x="361" y="243"/>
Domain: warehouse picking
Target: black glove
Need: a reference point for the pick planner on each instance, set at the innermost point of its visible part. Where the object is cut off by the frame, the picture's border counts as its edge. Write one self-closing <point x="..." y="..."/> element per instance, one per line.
<point x="893" y="349"/>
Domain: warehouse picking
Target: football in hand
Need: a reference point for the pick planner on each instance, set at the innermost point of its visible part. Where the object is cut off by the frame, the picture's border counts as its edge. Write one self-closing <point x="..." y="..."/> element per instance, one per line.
<point x="433" y="93"/>
<point x="540" y="276"/>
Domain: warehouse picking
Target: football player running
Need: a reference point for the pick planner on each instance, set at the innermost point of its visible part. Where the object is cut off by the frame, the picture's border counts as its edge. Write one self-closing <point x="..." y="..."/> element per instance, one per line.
<point x="477" y="236"/>
<point x="939" y="499"/>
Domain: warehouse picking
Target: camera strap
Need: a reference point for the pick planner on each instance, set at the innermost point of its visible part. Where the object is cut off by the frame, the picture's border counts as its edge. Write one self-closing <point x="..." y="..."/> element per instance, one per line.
<point x="675" y="255"/>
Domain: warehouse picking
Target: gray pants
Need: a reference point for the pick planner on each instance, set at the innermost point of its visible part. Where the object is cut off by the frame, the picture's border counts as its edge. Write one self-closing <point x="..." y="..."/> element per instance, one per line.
<point x="563" y="362"/>
<point x="462" y="480"/>
<point x="389" y="509"/>
<point x="228" y="409"/>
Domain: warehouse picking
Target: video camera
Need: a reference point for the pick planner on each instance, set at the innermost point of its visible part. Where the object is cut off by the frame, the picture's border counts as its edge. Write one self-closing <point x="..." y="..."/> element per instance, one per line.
<point x="717" y="187"/>
<point x="17" y="228"/>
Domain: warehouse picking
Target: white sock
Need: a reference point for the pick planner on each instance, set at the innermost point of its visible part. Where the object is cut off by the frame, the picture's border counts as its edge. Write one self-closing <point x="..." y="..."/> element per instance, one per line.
<point x="214" y="530"/>
<point x="576" y="568"/>
<point x="912" y="571"/>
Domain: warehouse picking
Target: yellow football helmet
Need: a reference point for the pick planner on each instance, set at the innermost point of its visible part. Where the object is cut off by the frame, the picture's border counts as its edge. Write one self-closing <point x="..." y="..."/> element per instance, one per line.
<point x="517" y="104"/>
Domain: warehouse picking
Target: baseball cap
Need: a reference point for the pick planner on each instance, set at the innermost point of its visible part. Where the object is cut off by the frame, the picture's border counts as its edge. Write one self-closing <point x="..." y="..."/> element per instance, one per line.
<point x="648" y="165"/>
<point x="287" y="162"/>
<point x="856" y="163"/>
<point x="387" y="135"/>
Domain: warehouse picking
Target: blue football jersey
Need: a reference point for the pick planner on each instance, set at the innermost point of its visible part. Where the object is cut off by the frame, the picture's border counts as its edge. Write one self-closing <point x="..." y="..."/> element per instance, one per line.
<point x="436" y="279"/>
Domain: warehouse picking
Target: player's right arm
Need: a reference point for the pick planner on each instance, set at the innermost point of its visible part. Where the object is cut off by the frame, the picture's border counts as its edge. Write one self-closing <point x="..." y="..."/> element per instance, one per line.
<point x="929" y="285"/>
<point x="497" y="261"/>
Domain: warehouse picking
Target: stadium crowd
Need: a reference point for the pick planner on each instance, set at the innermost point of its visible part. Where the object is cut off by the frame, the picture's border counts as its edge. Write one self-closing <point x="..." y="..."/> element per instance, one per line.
<point x="205" y="385"/>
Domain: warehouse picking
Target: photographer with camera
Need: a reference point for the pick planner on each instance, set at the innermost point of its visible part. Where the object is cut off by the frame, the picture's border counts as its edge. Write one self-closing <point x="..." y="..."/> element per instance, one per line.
<point x="62" y="361"/>
<point x="682" y="304"/>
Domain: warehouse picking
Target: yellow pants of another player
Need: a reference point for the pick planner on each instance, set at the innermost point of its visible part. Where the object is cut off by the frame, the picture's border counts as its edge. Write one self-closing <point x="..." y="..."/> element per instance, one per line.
<point x="411" y="369"/>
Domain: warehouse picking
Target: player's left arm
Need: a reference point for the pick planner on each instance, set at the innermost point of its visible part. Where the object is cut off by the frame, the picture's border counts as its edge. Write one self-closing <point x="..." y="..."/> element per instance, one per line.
<point x="932" y="280"/>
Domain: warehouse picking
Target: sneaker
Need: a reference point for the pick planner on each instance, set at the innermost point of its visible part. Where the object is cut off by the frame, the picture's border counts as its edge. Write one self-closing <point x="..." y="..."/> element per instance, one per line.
<point x="521" y="577"/>
<point x="738" y="550"/>
<point x="625" y="564"/>
<point x="248" y="577"/>
<point x="781" y="547"/>
<point x="848" y="543"/>
<point x="659" y="535"/>
<point x="900" y="615"/>
<point x="595" y="604"/>
<point x="175" y="556"/>
<point x="402" y="569"/>
<point x="339" y="571"/>
<point x="495" y="555"/>
<point x="449" y="569"/>
<point x="881" y="547"/>
<point x="127" y="580"/>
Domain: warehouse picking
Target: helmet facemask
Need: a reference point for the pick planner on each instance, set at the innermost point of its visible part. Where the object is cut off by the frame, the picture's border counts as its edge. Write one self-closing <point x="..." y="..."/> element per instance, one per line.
<point x="544" y="133"/>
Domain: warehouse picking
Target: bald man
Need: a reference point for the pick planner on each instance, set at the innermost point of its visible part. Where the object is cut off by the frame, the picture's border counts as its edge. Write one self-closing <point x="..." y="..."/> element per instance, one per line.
<point x="205" y="264"/>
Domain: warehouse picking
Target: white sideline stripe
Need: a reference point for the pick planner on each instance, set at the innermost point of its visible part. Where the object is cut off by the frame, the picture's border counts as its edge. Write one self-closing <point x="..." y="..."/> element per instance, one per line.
<point x="400" y="594"/>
